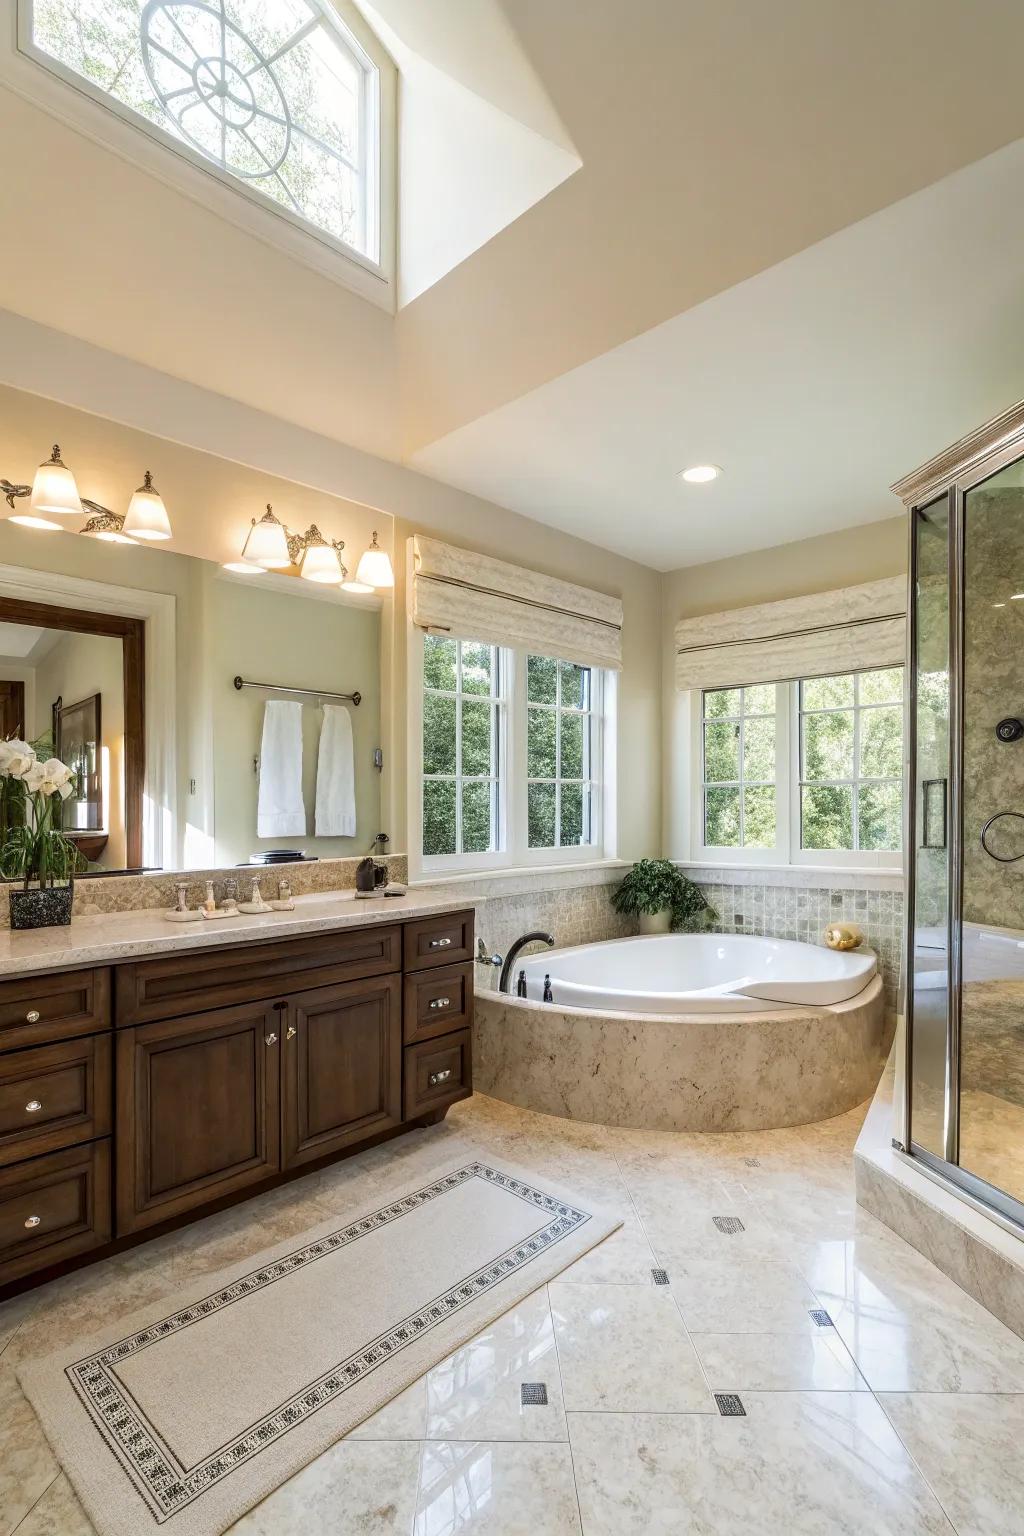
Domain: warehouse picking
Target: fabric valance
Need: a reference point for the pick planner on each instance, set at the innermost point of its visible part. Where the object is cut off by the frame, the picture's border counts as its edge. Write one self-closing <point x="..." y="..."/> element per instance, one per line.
<point x="846" y="630"/>
<point x="474" y="597"/>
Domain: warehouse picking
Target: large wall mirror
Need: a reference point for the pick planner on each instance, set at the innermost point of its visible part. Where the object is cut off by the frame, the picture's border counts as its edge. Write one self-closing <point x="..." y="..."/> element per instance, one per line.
<point x="121" y="659"/>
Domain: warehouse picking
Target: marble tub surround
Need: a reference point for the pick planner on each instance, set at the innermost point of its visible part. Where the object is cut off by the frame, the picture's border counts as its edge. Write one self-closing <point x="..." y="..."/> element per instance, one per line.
<point x="767" y="903"/>
<point x="825" y="1447"/>
<point x="700" y="1072"/>
<point x="104" y="937"/>
<point x="580" y="913"/>
<point x="132" y="893"/>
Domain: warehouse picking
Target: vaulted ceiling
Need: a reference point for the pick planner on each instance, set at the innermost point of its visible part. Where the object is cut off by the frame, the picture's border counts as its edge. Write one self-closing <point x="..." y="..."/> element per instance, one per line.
<point x="777" y="236"/>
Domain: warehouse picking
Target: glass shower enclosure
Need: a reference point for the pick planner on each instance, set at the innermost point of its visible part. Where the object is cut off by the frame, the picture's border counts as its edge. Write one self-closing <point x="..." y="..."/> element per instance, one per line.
<point x="963" y="1112"/>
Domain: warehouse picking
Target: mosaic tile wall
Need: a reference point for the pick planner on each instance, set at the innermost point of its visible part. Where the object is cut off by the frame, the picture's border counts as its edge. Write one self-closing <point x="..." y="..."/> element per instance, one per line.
<point x="574" y="915"/>
<point x="799" y="912"/>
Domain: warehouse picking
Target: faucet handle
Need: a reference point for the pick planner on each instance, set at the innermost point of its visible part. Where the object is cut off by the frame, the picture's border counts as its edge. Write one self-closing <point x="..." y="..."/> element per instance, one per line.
<point x="483" y="958"/>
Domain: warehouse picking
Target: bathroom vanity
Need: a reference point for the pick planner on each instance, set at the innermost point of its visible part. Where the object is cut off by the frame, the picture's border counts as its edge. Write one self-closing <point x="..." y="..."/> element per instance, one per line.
<point x="165" y="1076"/>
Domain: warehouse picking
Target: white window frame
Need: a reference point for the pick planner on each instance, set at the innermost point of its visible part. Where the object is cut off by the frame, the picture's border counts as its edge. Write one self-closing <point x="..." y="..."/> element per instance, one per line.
<point x="47" y="83"/>
<point x="787" y="850"/>
<point x="513" y="851"/>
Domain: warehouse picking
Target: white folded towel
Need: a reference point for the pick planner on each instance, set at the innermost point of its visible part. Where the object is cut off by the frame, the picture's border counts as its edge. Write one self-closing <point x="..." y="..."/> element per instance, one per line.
<point x="335" y="776"/>
<point x="280" y="812"/>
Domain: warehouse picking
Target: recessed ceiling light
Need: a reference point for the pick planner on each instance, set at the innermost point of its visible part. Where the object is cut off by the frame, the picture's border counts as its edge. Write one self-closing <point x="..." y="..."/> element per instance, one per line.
<point x="700" y="474"/>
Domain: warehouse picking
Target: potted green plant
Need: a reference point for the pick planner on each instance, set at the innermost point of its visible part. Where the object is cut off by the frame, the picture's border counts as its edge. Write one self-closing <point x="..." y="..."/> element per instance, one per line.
<point x="658" y="893"/>
<point x="34" y="849"/>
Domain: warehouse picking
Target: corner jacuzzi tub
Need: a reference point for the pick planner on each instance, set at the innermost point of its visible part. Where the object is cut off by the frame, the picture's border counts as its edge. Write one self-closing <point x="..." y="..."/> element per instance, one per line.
<point x="684" y="1032"/>
<point x="698" y="973"/>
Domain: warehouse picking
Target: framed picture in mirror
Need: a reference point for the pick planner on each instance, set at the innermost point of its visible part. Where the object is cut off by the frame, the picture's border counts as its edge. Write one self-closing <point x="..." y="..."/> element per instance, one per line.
<point x="78" y="742"/>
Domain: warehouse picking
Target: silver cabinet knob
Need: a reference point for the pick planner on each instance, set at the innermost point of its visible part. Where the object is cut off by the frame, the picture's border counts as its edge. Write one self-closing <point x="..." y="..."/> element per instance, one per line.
<point x="290" y="1032"/>
<point x="271" y="1039"/>
<point x="32" y="1017"/>
<point x="440" y="1002"/>
<point x="32" y="1221"/>
<point x="440" y="943"/>
<point x="439" y="1077"/>
<point x="33" y="1106"/>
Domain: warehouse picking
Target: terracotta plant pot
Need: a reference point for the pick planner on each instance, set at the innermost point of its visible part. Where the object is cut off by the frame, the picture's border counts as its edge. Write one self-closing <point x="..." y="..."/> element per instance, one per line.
<point x="656" y="922"/>
<point x="42" y="909"/>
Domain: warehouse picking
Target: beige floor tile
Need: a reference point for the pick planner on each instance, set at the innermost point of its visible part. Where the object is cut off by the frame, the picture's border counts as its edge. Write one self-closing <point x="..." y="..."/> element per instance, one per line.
<point x="27" y="1465"/>
<point x="804" y="1464"/>
<point x="778" y="1362"/>
<point x="490" y="1489"/>
<point x="57" y="1513"/>
<point x="752" y="1296"/>
<point x="404" y="1418"/>
<point x="969" y="1449"/>
<point x="476" y="1394"/>
<point x="623" y="1348"/>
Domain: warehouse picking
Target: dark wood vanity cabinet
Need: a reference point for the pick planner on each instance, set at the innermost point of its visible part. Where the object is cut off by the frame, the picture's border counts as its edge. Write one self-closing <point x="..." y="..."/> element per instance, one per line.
<point x="342" y="1067"/>
<point x="139" y="1095"/>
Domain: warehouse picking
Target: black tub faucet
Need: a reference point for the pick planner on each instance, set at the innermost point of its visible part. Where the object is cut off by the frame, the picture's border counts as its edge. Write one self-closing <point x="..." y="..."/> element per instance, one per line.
<point x="536" y="937"/>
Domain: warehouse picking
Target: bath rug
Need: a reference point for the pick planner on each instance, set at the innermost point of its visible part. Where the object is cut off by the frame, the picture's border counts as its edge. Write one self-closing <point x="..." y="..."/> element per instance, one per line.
<point x="184" y="1416"/>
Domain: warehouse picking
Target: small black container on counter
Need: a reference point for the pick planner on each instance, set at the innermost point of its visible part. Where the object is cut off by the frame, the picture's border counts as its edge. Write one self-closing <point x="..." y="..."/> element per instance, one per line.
<point x="50" y="908"/>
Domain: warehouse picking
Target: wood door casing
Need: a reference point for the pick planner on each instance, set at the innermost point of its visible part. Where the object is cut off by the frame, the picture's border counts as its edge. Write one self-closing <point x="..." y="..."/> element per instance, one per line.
<point x="198" y="1110"/>
<point x="342" y="1067"/>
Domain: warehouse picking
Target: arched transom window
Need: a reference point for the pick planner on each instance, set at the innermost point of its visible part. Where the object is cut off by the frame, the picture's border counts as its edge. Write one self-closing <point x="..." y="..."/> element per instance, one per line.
<point x="276" y="95"/>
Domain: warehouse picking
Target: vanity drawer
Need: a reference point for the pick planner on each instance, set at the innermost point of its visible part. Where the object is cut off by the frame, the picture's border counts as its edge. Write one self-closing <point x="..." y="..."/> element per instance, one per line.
<point x="190" y="983"/>
<point x="54" y="1096"/>
<point x="53" y="1007"/>
<point x="437" y="1073"/>
<point x="436" y="1002"/>
<point x="439" y="940"/>
<point x="53" y="1207"/>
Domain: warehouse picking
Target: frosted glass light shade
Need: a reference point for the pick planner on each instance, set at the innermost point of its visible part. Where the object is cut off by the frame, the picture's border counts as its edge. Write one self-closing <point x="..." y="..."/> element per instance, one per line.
<point x="146" y="517"/>
<point x="320" y="563"/>
<point x="374" y="568"/>
<point x="267" y="543"/>
<point x="54" y="491"/>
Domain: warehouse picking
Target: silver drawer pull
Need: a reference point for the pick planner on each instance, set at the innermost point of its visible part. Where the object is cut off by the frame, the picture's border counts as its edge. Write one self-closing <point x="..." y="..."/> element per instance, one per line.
<point x="271" y="1039"/>
<point x="32" y="1221"/>
<point x="440" y="1002"/>
<point x="33" y="1106"/>
<point x="32" y="1017"/>
<point x="439" y="1077"/>
<point x="440" y="943"/>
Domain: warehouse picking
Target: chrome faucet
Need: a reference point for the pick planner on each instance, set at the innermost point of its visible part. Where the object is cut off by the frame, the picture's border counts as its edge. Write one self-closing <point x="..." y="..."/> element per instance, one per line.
<point x="513" y="952"/>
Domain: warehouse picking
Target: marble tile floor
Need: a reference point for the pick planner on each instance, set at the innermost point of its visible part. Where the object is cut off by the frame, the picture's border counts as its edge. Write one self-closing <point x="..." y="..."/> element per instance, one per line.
<point x="903" y="1414"/>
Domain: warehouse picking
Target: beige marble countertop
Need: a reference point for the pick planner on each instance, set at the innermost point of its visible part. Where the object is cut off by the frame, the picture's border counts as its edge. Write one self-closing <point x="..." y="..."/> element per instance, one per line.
<point x="112" y="936"/>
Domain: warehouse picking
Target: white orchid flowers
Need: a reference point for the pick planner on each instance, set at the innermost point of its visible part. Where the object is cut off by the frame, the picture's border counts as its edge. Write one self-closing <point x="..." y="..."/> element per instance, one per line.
<point x="18" y="760"/>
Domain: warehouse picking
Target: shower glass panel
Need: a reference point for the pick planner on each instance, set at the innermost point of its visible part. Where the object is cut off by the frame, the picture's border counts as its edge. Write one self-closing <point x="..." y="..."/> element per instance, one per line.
<point x="991" y="1045"/>
<point x="929" y="971"/>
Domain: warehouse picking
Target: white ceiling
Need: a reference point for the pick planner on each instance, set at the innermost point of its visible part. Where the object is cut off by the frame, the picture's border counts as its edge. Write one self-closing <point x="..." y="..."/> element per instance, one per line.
<point x="25" y="643"/>
<point x="814" y="385"/>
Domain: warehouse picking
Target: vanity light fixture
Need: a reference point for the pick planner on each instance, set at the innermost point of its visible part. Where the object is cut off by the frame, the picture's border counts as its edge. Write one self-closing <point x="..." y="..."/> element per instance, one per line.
<point x="147" y="516"/>
<point x="53" y="494"/>
<point x="271" y="546"/>
<point x="374" y="568"/>
<point x="266" y="544"/>
<point x="319" y="560"/>
<point x="700" y="474"/>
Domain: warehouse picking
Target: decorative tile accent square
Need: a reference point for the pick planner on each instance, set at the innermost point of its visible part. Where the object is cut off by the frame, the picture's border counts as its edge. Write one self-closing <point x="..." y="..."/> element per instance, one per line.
<point x="752" y="1162"/>
<point x="730" y="1405"/>
<point x="659" y="1276"/>
<point x="821" y="1318"/>
<point x="533" y="1394"/>
<point x="728" y="1224"/>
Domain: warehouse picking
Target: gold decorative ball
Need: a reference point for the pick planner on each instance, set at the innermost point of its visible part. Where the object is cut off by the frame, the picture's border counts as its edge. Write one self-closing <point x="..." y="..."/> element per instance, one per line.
<point x="843" y="936"/>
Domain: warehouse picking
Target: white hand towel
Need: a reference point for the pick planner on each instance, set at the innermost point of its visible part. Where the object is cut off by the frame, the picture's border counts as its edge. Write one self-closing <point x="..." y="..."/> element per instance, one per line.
<point x="335" y="776"/>
<point x="280" y="812"/>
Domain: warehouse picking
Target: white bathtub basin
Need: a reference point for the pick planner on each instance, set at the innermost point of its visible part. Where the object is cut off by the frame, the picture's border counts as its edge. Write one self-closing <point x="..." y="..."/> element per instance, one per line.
<point x="697" y="973"/>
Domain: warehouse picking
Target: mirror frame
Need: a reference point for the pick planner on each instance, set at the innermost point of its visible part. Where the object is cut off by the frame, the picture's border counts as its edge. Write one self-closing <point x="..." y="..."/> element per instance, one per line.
<point x="132" y="634"/>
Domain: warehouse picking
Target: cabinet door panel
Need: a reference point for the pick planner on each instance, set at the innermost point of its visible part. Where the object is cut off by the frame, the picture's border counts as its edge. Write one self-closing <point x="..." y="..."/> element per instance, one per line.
<point x="343" y="1067"/>
<point x="198" y="1111"/>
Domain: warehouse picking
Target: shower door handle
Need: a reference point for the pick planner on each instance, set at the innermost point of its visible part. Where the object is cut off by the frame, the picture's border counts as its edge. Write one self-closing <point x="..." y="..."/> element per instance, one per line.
<point x="1000" y="858"/>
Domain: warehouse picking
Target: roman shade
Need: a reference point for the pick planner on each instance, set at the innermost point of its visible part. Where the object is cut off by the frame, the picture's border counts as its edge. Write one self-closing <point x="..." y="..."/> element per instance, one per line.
<point x="846" y="630"/>
<point x="474" y="597"/>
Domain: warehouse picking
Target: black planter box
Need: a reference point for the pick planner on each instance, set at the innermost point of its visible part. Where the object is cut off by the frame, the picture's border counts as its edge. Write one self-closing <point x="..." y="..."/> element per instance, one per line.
<point x="42" y="909"/>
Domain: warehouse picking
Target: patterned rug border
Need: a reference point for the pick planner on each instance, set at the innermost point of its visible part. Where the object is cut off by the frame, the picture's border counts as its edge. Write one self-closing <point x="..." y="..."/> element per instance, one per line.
<point x="155" y="1472"/>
